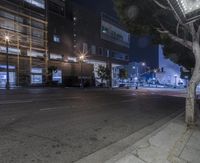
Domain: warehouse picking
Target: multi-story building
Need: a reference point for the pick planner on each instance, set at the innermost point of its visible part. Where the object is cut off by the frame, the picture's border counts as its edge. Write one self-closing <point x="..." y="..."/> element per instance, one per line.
<point x="25" y="23"/>
<point x="40" y="43"/>
<point x="60" y="45"/>
<point x="101" y="38"/>
<point x="47" y="37"/>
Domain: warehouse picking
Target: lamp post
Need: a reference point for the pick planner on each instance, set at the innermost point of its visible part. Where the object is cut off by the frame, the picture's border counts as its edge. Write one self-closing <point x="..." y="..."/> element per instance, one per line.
<point x="7" y="64"/>
<point x="82" y="57"/>
<point x="175" y="80"/>
<point x="136" y="68"/>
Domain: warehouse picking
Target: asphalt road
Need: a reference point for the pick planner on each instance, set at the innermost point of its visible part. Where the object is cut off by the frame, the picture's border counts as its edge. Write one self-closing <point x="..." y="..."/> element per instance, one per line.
<point x="65" y="125"/>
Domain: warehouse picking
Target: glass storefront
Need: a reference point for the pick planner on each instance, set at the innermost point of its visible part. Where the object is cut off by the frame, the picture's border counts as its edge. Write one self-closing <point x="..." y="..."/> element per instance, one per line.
<point x="3" y="75"/>
<point x="36" y="76"/>
<point x="57" y="76"/>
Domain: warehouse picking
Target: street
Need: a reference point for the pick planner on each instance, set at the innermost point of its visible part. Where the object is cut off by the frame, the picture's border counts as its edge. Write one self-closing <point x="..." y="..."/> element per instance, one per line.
<point x="61" y="125"/>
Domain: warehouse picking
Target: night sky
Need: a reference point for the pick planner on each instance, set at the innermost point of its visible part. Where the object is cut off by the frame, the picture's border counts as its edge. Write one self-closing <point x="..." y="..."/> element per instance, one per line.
<point x="99" y="6"/>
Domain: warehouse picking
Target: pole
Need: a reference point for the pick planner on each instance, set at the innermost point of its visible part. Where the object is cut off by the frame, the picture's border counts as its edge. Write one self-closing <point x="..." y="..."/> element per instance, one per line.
<point x="81" y="74"/>
<point x="137" y="74"/>
<point x="175" y="81"/>
<point x="7" y="68"/>
<point x="110" y="68"/>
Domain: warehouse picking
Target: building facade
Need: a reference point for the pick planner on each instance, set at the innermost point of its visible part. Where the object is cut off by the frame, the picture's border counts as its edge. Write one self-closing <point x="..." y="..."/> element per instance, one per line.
<point x="69" y="71"/>
<point x="25" y="23"/>
<point x="101" y="38"/>
<point x="47" y="38"/>
<point x="169" y="73"/>
<point x="40" y="43"/>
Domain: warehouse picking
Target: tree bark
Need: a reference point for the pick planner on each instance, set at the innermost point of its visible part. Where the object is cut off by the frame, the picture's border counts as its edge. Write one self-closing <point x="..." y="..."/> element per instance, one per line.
<point x="191" y="104"/>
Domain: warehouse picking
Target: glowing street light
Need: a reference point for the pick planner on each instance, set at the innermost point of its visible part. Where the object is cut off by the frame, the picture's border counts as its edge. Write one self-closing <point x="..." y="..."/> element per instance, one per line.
<point x="186" y="10"/>
<point x="143" y="64"/>
<point x="7" y="39"/>
<point x="82" y="57"/>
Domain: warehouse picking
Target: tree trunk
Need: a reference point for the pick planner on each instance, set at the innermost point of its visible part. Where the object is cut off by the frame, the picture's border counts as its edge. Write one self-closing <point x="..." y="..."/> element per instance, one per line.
<point x="191" y="94"/>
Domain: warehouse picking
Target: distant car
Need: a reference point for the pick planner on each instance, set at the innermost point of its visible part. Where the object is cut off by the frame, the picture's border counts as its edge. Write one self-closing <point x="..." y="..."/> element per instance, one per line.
<point x="122" y="85"/>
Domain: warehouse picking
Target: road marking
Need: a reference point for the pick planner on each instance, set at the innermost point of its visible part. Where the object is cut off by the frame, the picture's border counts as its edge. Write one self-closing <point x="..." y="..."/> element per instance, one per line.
<point x="54" y="108"/>
<point x="46" y="109"/>
<point x="15" y="102"/>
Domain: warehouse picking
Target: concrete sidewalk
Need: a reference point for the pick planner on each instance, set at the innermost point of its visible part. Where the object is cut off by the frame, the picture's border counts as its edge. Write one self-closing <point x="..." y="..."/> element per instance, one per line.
<point x="174" y="142"/>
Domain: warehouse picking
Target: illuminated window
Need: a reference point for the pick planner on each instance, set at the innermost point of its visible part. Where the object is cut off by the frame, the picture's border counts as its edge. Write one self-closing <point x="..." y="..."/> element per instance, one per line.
<point x="85" y="47"/>
<point x="56" y="56"/>
<point x="14" y="51"/>
<point x="38" y="3"/>
<point x="57" y="76"/>
<point x="56" y="38"/>
<point x="93" y="49"/>
<point x="36" y="76"/>
<point x="35" y="54"/>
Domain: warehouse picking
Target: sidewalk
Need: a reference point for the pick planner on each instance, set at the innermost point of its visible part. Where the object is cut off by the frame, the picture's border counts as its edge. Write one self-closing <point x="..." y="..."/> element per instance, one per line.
<point x="174" y="142"/>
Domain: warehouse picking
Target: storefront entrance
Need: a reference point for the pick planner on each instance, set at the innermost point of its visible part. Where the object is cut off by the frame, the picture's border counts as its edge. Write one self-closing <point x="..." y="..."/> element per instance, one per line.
<point x="3" y="79"/>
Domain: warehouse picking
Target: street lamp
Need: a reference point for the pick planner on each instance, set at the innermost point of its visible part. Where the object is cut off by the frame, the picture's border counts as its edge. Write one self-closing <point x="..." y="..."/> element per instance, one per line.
<point x="186" y="10"/>
<point x="7" y="39"/>
<point x="81" y="58"/>
<point x="143" y="64"/>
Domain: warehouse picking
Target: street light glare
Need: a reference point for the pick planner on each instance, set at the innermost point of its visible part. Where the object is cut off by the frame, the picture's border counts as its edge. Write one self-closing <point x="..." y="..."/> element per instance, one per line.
<point x="7" y="38"/>
<point x="143" y="64"/>
<point x="82" y="57"/>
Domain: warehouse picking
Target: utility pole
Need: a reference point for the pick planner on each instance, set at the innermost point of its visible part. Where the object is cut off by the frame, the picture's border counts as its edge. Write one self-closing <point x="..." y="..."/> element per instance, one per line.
<point x="7" y="64"/>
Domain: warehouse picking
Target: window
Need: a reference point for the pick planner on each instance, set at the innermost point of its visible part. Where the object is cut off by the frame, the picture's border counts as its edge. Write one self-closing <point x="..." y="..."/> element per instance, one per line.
<point x="35" y="54"/>
<point x="56" y="8"/>
<point x="56" y="38"/>
<point x="72" y="59"/>
<point x="100" y="51"/>
<point x="14" y="51"/>
<point x="36" y="76"/>
<point x="111" y="32"/>
<point x="36" y="70"/>
<point x="119" y="55"/>
<point x="56" y="56"/>
<point x="38" y="3"/>
<point x="104" y="29"/>
<point x="57" y="76"/>
<point x="85" y="47"/>
<point x="93" y="49"/>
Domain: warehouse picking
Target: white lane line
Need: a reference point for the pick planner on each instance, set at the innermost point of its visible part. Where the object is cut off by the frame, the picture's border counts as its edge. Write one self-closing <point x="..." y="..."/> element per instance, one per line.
<point x="61" y="98"/>
<point x="46" y="109"/>
<point x="54" y="108"/>
<point x="15" y="102"/>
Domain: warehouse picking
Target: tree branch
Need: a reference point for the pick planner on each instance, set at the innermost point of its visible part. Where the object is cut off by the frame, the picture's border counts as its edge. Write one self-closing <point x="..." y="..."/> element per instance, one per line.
<point x="198" y="32"/>
<point x="185" y="43"/>
<point x="177" y="28"/>
<point x="161" y="5"/>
